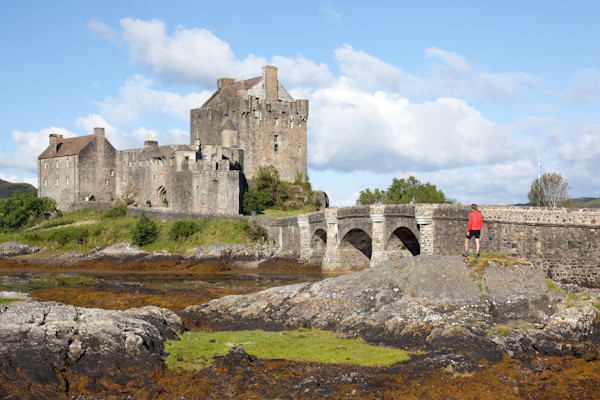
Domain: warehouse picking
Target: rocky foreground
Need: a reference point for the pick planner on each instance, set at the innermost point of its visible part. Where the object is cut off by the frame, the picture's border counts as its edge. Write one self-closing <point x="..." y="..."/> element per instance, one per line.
<point x="48" y="349"/>
<point x="505" y="327"/>
<point x="430" y="303"/>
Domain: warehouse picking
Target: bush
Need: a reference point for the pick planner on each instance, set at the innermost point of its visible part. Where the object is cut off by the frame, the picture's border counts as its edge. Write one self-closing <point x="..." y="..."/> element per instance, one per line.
<point x="65" y="236"/>
<point x="255" y="232"/>
<point x="183" y="229"/>
<point x="145" y="231"/>
<point x="24" y="208"/>
<point x="114" y="213"/>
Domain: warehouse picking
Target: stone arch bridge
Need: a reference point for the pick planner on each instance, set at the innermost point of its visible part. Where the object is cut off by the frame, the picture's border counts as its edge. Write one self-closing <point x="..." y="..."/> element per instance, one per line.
<point x="564" y="242"/>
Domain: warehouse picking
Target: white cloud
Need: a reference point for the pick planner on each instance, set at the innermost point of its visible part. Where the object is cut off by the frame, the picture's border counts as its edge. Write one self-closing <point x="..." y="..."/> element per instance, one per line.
<point x="137" y="98"/>
<point x="357" y="130"/>
<point x="507" y="85"/>
<point x="19" y="179"/>
<point x="328" y="10"/>
<point x="300" y="72"/>
<point x="29" y="146"/>
<point x="368" y="72"/>
<point x="121" y="140"/>
<point x="196" y="56"/>
<point x="102" y="30"/>
<point x="585" y="86"/>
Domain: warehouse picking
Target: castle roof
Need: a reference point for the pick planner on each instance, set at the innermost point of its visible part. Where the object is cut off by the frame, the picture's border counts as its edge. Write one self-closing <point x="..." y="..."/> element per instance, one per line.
<point x="67" y="147"/>
<point x="232" y="90"/>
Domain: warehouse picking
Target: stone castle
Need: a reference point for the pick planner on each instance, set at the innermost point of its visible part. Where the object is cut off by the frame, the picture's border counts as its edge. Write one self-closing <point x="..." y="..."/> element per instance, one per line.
<point x="243" y="126"/>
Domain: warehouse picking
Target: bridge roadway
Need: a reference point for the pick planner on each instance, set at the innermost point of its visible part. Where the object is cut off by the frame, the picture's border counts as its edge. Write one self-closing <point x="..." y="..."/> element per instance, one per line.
<point x="564" y="242"/>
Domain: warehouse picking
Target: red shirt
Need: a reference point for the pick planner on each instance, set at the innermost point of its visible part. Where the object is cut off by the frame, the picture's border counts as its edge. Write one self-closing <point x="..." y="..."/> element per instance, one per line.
<point x="475" y="221"/>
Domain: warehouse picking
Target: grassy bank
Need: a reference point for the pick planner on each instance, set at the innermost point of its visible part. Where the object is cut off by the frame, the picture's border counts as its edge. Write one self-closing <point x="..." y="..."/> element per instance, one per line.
<point x="87" y="229"/>
<point x="196" y="350"/>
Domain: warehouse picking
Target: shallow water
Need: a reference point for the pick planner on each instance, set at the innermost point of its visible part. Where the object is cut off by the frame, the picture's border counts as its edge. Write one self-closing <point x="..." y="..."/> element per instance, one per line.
<point x="175" y="283"/>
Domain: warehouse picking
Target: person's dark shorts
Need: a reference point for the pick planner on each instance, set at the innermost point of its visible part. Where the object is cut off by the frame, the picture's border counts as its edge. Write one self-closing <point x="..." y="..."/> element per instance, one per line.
<point x="475" y="234"/>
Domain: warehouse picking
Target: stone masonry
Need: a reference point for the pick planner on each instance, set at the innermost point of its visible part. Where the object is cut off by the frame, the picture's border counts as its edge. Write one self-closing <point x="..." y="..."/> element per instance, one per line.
<point x="565" y="243"/>
<point x="242" y="127"/>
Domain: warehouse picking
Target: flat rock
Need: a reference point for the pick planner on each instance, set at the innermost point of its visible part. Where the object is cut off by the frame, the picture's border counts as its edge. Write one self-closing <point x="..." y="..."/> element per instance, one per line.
<point x="120" y="250"/>
<point x="11" y="249"/>
<point x="235" y="252"/>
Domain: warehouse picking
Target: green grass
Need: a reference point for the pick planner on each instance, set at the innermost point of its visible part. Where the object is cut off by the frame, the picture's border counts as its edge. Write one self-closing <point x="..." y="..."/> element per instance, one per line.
<point x="84" y="230"/>
<point x="6" y="301"/>
<point x="571" y="299"/>
<point x="281" y="213"/>
<point x="196" y="349"/>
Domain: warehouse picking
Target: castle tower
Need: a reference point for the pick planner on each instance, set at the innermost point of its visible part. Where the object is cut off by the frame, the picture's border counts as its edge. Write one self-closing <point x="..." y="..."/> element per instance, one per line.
<point x="260" y="119"/>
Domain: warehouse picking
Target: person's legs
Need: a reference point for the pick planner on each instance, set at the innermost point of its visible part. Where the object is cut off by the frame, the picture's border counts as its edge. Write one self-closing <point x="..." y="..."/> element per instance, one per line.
<point x="466" y="247"/>
<point x="477" y="245"/>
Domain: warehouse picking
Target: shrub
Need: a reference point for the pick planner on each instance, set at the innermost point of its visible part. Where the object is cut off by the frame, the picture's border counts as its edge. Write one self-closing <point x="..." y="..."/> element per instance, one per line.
<point x="255" y="232"/>
<point x="183" y="229"/>
<point x="145" y="231"/>
<point x="115" y="212"/>
<point x="75" y="235"/>
<point x="24" y="208"/>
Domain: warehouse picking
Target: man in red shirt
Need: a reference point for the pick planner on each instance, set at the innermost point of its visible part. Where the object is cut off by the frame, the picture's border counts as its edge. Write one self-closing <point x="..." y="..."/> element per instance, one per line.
<point x="473" y="230"/>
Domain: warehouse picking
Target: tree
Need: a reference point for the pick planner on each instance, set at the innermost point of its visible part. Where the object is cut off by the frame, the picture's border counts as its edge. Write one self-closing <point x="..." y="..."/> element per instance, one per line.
<point x="145" y="232"/>
<point x="24" y="208"/>
<point x="536" y="194"/>
<point x="367" y="197"/>
<point x="550" y="190"/>
<point x="404" y="191"/>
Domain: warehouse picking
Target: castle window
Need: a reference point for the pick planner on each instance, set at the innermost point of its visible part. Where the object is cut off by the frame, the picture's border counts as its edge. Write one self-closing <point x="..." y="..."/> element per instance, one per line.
<point x="140" y="163"/>
<point x="45" y="183"/>
<point x="56" y="164"/>
<point x="67" y="181"/>
<point x="45" y="165"/>
<point x="276" y="121"/>
<point x="67" y="163"/>
<point x="112" y="172"/>
<point x="291" y="122"/>
<point x="130" y="164"/>
<point x="276" y="143"/>
<point x="106" y="183"/>
<point x="56" y="182"/>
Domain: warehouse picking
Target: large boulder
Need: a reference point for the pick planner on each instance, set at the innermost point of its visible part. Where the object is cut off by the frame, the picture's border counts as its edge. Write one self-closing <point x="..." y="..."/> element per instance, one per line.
<point x="11" y="249"/>
<point x="45" y="347"/>
<point x="434" y="302"/>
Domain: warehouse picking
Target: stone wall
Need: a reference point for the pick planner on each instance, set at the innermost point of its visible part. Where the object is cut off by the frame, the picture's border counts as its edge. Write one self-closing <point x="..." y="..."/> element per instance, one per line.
<point x="269" y="127"/>
<point x="175" y="177"/>
<point x="57" y="179"/>
<point x="564" y="242"/>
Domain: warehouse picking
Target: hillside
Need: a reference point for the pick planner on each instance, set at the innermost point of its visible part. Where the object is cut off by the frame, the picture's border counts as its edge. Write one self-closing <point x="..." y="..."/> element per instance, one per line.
<point x="586" y="202"/>
<point x="8" y="188"/>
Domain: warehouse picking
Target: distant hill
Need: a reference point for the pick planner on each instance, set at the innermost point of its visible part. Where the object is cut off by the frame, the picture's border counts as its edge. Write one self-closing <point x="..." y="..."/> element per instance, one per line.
<point x="586" y="202"/>
<point x="579" y="202"/>
<point x="8" y="188"/>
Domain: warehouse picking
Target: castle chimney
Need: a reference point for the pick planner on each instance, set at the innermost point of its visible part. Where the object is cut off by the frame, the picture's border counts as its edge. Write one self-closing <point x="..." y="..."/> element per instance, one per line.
<point x="150" y="141"/>
<point x="222" y="83"/>
<point x="271" y="83"/>
<point x="54" y="142"/>
<point x="99" y="132"/>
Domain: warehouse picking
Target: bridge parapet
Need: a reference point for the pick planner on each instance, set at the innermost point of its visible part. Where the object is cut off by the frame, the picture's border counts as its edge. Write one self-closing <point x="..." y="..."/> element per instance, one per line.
<point x="564" y="242"/>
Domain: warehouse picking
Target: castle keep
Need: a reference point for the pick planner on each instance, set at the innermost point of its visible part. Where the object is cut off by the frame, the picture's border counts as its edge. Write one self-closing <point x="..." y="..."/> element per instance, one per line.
<point x="243" y="126"/>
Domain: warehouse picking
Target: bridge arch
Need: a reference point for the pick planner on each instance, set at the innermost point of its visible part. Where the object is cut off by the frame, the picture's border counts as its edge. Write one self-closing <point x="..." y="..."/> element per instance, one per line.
<point x="356" y="248"/>
<point x="402" y="243"/>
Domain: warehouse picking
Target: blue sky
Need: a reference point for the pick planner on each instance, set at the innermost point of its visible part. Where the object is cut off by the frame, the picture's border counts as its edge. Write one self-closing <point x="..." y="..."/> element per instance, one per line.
<point x="462" y="94"/>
